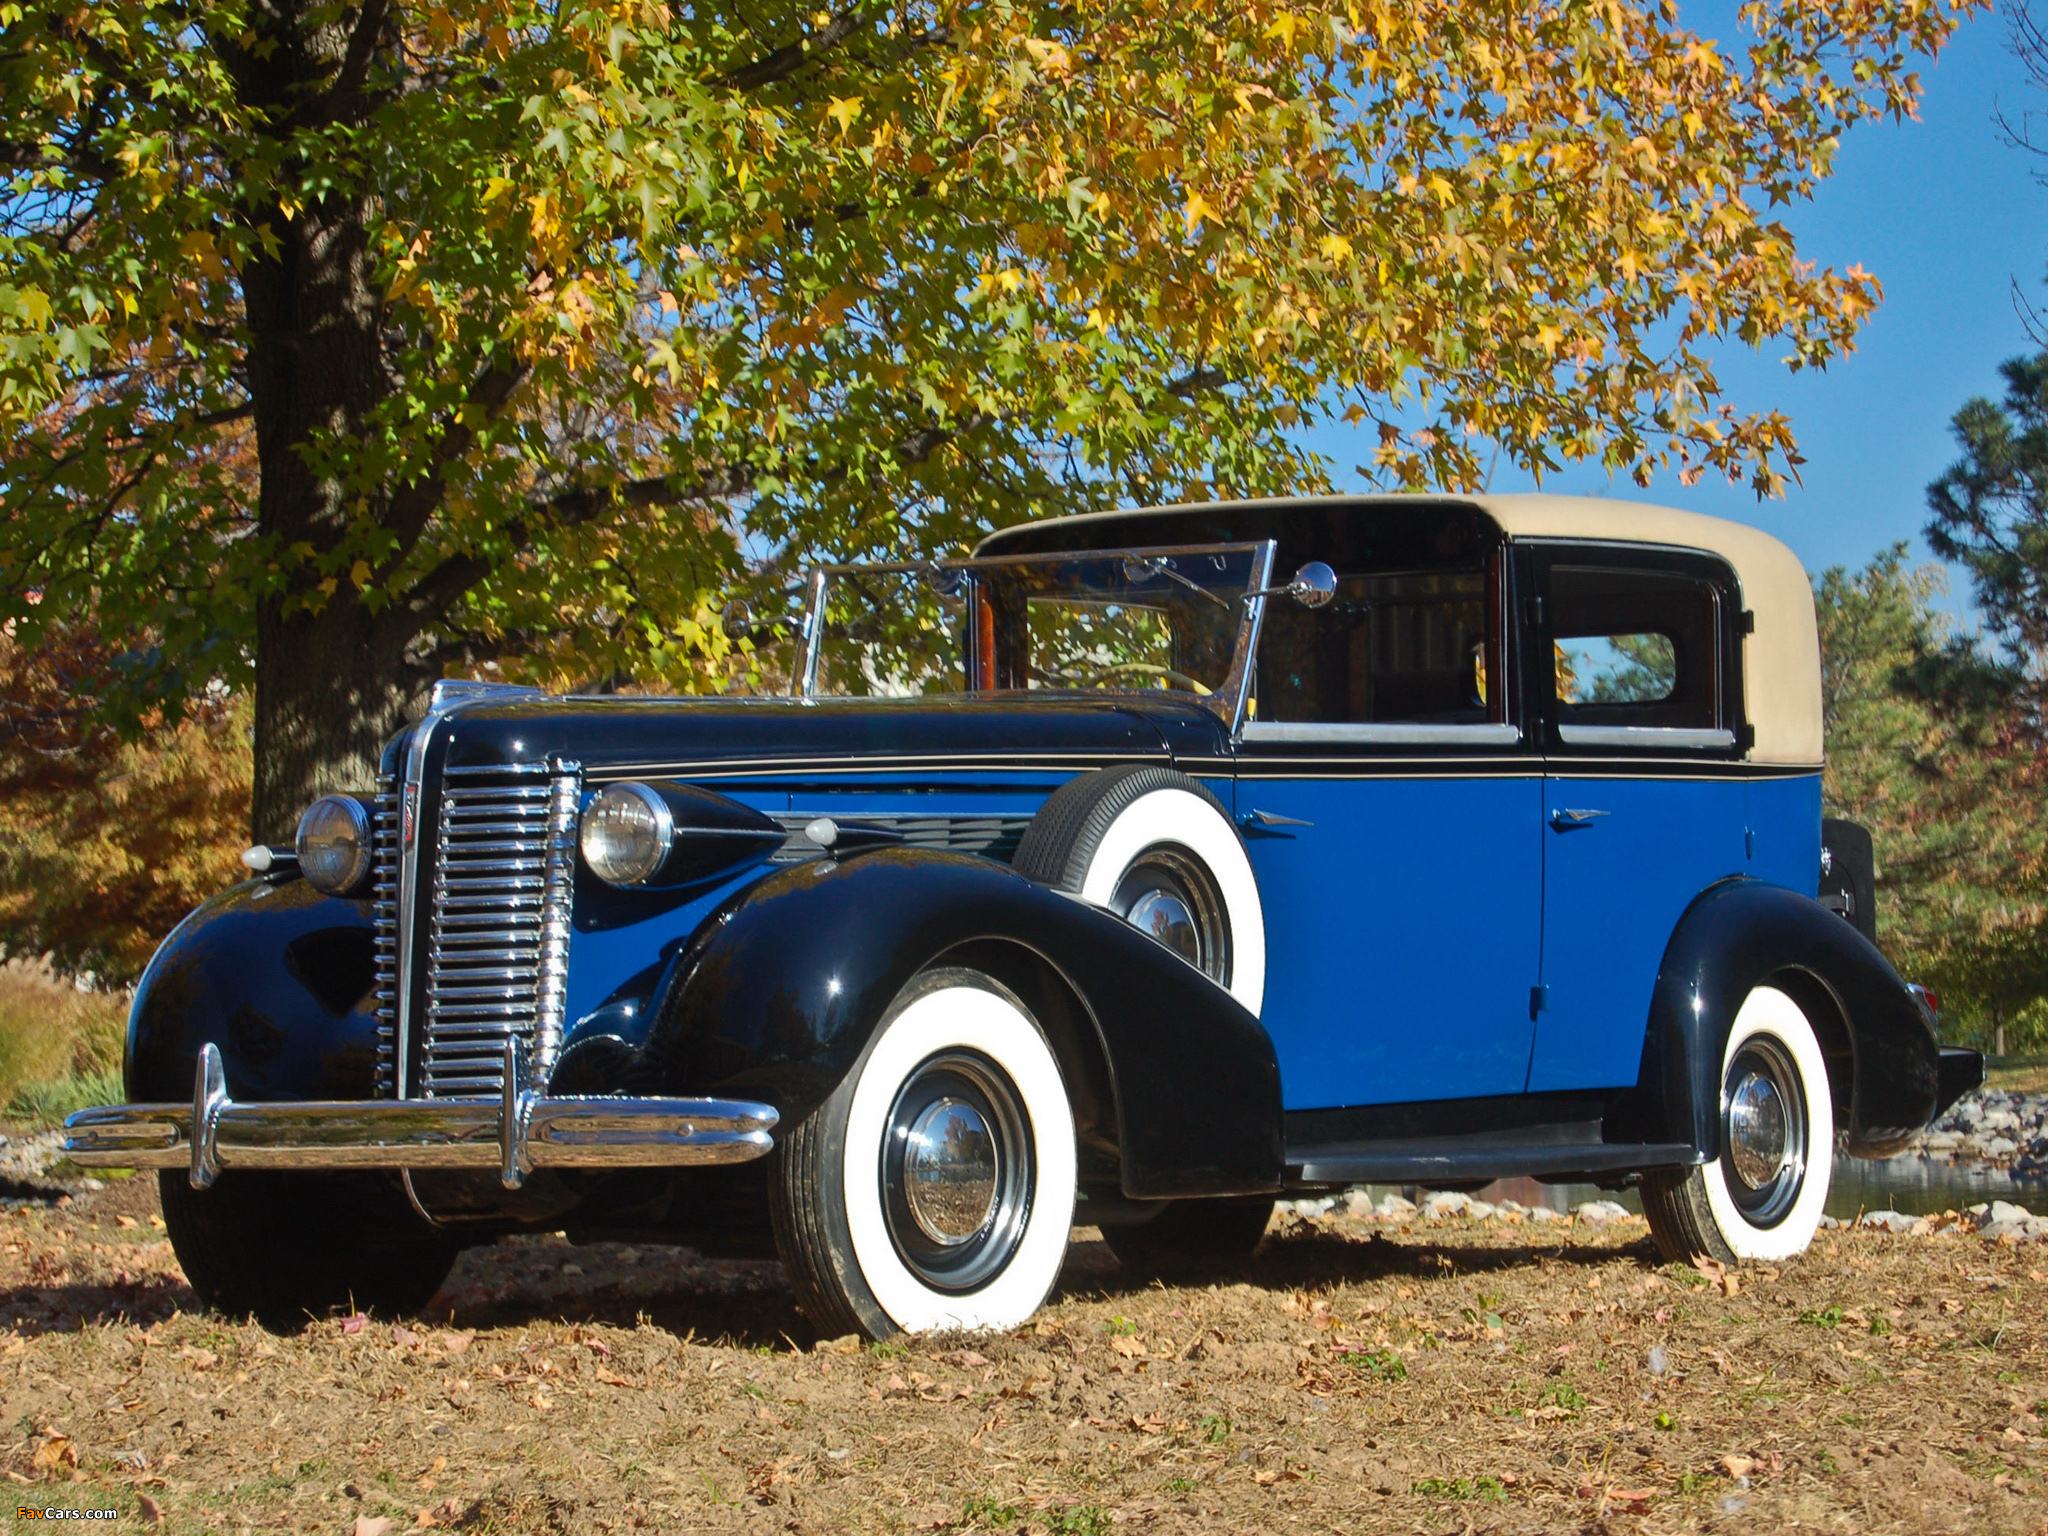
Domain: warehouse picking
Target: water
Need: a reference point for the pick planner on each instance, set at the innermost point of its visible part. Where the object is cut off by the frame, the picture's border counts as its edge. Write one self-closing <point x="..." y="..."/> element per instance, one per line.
<point x="1910" y="1184"/>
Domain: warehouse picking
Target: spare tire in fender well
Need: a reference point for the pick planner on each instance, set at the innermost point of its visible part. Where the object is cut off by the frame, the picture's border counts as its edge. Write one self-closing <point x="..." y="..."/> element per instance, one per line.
<point x="780" y="995"/>
<point x="1884" y="1064"/>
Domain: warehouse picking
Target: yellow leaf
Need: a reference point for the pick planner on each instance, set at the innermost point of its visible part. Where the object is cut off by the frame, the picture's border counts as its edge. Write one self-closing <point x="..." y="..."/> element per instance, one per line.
<point x="843" y="111"/>
<point x="359" y="573"/>
<point x="1336" y="247"/>
<point x="1198" y="209"/>
<point x="1049" y="56"/>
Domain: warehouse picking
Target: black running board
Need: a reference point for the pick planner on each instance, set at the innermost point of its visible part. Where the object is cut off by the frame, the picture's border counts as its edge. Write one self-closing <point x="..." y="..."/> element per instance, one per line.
<point x="1449" y="1159"/>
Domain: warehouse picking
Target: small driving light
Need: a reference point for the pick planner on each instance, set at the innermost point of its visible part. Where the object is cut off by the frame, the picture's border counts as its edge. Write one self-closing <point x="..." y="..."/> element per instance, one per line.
<point x="627" y="833"/>
<point x="333" y="844"/>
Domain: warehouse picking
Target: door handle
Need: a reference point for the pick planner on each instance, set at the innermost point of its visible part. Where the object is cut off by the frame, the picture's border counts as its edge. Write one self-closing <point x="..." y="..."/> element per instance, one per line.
<point x="1567" y="821"/>
<point x="1267" y="821"/>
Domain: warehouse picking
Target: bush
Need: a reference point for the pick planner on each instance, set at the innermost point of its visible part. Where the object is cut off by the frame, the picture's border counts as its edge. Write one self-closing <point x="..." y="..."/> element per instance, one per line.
<point x="109" y="839"/>
<point x="60" y="1048"/>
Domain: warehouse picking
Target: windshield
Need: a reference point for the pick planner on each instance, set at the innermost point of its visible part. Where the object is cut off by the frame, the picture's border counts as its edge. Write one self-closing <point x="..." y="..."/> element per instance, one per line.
<point x="1134" y="620"/>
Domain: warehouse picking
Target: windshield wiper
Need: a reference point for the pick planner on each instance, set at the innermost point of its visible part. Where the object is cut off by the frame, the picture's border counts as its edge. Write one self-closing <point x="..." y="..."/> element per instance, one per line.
<point x="1156" y="567"/>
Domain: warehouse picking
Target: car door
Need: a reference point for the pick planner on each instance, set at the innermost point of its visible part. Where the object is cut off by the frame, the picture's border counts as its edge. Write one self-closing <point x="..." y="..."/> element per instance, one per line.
<point x="1391" y="805"/>
<point x="1639" y="709"/>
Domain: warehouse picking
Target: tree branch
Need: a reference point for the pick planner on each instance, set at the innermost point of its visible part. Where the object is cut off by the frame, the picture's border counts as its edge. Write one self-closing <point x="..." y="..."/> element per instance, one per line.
<point x="436" y="593"/>
<point x="1195" y="381"/>
<point x="343" y="97"/>
<point x="785" y="61"/>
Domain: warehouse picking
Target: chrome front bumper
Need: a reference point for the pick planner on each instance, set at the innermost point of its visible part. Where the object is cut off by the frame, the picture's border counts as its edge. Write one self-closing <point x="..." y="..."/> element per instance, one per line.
<point x="521" y="1131"/>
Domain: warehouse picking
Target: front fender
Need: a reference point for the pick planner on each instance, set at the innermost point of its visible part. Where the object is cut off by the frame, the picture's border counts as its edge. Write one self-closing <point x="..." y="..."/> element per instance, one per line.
<point x="278" y="977"/>
<point x="1740" y="934"/>
<point x="781" y="994"/>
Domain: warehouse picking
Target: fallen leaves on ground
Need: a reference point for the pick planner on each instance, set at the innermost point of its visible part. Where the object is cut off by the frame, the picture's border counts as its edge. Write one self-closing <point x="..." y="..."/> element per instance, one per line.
<point x="1373" y="1376"/>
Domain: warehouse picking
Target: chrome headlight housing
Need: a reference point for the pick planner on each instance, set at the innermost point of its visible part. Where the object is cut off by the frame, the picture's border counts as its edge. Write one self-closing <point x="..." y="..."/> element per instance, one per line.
<point x="627" y="833"/>
<point x="333" y="844"/>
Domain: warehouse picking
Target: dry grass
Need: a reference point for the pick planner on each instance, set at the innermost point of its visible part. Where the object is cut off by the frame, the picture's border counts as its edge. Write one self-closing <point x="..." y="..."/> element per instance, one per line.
<point x="1450" y="1378"/>
<point x="2026" y="1074"/>
<point x="58" y="1046"/>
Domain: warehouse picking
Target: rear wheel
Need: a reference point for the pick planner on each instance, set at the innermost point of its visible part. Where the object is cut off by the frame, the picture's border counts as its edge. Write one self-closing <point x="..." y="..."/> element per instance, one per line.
<point x="1192" y="1238"/>
<point x="1763" y="1197"/>
<point x="935" y="1187"/>
<point x="289" y="1247"/>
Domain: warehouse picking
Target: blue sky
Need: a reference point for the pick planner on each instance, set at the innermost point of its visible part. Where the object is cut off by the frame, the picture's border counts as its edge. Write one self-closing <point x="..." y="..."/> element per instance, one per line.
<point x="1947" y="215"/>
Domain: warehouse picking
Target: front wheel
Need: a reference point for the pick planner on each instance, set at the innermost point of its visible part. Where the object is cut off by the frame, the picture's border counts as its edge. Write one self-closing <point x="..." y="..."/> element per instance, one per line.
<point x="1763" y="1197"/>
<point x="935" y="1187"/>
<point x="290" y="1247"/>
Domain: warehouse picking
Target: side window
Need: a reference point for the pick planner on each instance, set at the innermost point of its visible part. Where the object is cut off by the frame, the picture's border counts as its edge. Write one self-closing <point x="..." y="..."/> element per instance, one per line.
<point x="1634" y="648"/>
<point x="1393" y="647"/>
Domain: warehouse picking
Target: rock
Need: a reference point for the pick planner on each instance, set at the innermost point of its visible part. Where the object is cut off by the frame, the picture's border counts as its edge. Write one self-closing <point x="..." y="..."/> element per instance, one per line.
<point x="1600" y="1213"/>
<point x="1892" y="1221"/>
<point x="1481" y="1210"/>
<point x="1512" y="1208"/>
<point x="1994" y="1231"/>
<point x="1999" y="1146"/>
<point x="1358" y="1204"/>
<point x="91" y="1184"/>
<point x="2005" y="1210"/>
<point x="1659" y="1361"/>
<point x="1541" y="1213"/>
<point x="1446" y="1202"/>
<point x="1828" y="1223"/>
<point x="1393" y="1208"/>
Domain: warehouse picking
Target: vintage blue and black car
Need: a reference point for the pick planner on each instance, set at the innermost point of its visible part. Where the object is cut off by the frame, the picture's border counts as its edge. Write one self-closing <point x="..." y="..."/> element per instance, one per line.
<point x="1138" y="870"/>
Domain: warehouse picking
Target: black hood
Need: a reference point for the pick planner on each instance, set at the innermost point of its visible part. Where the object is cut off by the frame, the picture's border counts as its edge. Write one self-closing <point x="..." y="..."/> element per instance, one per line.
<point x="632" y="737"/>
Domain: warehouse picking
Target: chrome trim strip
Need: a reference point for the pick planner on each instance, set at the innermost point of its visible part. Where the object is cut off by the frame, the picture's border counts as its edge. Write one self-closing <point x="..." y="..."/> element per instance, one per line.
<point x="557" y="900"/>
<point x="1650" y="736"/>
<point x="1386" y="734"/>
<point x="422" y="1133"/>
<point x="1239" y="683"/>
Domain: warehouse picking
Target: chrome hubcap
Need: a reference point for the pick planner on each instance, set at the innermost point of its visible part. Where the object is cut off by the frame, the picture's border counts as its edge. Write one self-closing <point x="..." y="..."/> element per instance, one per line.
<point x="949" y="1171"/>
<point x="1763" y="1130"/>
<point x="1756" y="1130"/>
<point x="1164" y="916"/>
<point x="1169" y="895"/>
<point x="958" y="1169"/>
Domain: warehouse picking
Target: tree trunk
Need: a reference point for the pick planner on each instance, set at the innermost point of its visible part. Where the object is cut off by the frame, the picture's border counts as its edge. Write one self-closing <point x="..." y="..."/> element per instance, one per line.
<point x="1997" y="1029"/>
<point x="332" y="681"/>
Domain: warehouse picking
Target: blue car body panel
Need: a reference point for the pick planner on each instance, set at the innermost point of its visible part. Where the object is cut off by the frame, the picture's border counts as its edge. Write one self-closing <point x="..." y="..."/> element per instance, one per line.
<point x="1622" y="860"/>
<point x="1394" y="877"/>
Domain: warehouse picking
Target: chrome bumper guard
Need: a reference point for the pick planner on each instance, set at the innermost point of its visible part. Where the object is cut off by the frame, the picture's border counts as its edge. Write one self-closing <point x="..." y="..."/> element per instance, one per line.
<point x="515" y="1134"/>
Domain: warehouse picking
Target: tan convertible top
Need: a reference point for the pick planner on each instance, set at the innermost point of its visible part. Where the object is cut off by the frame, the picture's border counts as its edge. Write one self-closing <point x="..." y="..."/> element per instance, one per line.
<point x="1781" y="657"/>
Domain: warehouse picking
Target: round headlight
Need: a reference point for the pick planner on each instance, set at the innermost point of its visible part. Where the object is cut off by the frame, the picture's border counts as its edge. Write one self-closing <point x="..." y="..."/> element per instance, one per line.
<point x="334" y="844"/>
<point x="627" y="833"/>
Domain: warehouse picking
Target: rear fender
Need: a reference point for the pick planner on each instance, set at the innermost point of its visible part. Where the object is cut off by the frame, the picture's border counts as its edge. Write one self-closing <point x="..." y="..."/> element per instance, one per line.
<point x="1884" y="1067"/>
<point x="778" y="997"/>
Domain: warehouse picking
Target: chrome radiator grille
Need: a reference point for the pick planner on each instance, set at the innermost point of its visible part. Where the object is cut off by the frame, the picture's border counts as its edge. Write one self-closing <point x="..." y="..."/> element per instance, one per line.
<point x="498" y="899"/>
<point x="496" y="879"/>
<point x="384" y="919"/>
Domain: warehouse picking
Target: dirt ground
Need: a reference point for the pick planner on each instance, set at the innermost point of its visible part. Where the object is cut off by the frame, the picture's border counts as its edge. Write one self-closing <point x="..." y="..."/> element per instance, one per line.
<point x="1433" y="1378"/>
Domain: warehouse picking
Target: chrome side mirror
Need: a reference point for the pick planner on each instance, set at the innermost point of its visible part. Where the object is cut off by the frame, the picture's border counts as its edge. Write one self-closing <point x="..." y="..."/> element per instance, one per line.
<point x="1314" y="586"/>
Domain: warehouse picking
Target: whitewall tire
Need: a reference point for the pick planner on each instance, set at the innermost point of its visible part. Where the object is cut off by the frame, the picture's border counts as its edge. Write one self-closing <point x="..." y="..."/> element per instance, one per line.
<point x="1763" y="1197"/>
<point x="1153" y="846"/>
<point x="934" y="1189"/>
